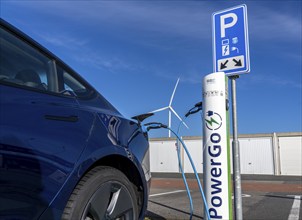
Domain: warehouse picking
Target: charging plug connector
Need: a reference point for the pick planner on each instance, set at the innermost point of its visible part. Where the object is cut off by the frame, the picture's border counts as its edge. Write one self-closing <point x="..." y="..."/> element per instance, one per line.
<point x="154" y="125"/>
<point x="197" y="107"/>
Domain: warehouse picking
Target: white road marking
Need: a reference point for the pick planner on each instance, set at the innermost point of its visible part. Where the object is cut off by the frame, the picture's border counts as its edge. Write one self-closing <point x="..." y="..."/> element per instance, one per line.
<point x="167" y="193"/>
<point x="243" y="196"/>
<point x="294" y="213"/>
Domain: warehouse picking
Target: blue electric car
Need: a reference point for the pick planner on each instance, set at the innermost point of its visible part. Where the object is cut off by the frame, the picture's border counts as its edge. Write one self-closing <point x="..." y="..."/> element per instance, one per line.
<point x="65" y="151"/>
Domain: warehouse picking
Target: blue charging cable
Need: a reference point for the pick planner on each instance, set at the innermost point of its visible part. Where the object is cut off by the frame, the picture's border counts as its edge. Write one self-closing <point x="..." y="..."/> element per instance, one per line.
<point x="183" y="174"/>
<point x="196" y="175"/>
<point x="184" y="178"/>
<point x="195" y="109"/>
<point x="155" y="125"/>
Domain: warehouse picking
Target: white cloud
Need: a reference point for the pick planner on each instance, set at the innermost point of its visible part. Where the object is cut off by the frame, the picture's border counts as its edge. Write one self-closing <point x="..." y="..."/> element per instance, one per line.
<point x="108" y="64"/>
<point x="175" y="18"/>
<point x="63" y="40"/>
<point x="274" y="80"/>
<point x="269" y="24"/>
<point x="191" y="19"/>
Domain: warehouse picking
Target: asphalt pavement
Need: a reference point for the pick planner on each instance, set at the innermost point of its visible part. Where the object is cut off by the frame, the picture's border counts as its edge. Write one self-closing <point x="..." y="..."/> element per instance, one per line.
<point x="263" y="197"/>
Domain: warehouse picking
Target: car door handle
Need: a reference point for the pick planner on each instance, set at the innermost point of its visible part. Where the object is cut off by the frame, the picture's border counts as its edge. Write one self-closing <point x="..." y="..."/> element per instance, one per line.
<point x="71" y="118"/>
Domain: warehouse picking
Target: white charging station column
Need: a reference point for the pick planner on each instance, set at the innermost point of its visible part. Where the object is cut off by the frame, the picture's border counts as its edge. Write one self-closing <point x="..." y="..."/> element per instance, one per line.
<point x="216" y="146"/>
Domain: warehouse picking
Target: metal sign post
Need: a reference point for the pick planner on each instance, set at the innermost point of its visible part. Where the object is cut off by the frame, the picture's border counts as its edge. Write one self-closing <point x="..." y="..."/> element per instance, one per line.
<point x="231" y="55"/>
<point x="236" y="155"/>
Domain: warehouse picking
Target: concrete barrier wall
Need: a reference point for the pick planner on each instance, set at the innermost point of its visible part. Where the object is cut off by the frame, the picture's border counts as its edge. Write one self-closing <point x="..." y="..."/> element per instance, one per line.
<point x="267" y="154"/>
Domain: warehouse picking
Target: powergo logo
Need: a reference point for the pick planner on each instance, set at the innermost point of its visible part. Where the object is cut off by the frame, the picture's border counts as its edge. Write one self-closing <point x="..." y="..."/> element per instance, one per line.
<point x="213" y="122"/>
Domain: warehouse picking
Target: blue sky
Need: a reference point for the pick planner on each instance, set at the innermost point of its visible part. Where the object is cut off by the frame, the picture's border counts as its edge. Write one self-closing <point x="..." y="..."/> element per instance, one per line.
<point x="133" y="52"/>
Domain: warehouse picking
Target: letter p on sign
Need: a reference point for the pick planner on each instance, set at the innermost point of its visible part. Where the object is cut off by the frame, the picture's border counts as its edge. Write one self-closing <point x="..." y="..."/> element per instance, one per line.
<point x="225" y="25"/>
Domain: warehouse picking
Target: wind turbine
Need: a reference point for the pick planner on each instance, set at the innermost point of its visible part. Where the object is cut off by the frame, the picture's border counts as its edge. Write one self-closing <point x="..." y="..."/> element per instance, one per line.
<point x="171" y="109"/>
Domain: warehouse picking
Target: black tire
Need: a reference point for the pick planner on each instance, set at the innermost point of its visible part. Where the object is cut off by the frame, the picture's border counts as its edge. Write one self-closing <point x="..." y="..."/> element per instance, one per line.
<point x="103" y="193"/>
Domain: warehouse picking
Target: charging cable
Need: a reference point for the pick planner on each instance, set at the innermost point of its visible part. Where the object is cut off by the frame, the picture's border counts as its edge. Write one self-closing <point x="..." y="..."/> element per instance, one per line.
<point x="184" y="178"/>
<point x="197" y="107"/>
<point x="195" y="172"/>
<point x="156" y="125"/>
<point x="183" y="173"/>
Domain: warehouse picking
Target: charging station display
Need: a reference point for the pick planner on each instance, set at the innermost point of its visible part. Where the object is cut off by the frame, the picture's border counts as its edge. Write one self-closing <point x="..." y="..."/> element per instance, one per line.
<point x="216" y="146"/>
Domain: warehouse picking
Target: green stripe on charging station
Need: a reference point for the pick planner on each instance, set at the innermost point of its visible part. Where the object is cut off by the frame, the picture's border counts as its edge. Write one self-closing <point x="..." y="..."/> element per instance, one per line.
<point x="228" y="153"/>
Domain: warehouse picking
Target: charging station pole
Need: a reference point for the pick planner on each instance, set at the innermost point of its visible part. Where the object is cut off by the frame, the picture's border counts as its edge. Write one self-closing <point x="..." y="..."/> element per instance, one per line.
<point x="216" y="146"/>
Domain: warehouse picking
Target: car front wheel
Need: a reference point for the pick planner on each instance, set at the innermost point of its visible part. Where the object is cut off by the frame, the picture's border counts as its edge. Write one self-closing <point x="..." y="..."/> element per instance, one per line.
<point x="103" y="193"/>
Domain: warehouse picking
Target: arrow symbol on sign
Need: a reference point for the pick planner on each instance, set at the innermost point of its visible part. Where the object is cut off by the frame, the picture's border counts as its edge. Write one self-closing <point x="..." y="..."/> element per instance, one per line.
<point x="223" y="65"/>
<point x="238" y="63"/>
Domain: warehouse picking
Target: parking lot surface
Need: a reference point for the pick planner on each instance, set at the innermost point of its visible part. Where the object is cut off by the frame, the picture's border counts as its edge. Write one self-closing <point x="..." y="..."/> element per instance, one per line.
<point x="263" y="197"/>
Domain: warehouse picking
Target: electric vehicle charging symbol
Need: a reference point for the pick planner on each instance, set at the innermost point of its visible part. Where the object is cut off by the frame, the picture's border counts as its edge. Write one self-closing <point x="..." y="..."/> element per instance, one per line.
<point x="213" y="120"/>
<point x="225" y="50"/>
<point x="225" y="47"/>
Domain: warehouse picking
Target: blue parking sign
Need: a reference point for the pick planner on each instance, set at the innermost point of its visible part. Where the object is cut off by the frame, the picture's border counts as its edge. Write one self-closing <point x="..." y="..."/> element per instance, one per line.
<point x="230" y="41"/>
